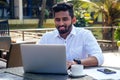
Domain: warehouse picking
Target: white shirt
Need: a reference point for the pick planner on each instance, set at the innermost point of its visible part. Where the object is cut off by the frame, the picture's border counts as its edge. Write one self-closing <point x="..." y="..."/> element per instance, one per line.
<point x="80" y="43"/>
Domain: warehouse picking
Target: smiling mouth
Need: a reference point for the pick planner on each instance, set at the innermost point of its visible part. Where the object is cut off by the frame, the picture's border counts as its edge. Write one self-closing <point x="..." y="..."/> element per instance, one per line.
<point x="61" y="28"/>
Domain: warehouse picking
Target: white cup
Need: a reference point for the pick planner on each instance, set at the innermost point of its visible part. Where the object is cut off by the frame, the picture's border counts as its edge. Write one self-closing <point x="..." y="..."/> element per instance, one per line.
<point x="77" y="69"/>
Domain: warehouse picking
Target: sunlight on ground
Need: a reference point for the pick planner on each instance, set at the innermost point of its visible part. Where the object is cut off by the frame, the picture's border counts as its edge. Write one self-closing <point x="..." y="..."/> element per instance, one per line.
<point x="112" y="59"/>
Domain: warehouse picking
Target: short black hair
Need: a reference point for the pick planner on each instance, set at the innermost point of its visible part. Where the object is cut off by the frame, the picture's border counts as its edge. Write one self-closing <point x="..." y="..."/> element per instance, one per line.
<point x="63" y="6"/>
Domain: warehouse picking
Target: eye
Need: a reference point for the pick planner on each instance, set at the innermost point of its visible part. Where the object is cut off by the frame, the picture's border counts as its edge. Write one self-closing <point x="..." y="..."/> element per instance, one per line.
<point x="65" y="19"/>
<point x="57" y="19"/>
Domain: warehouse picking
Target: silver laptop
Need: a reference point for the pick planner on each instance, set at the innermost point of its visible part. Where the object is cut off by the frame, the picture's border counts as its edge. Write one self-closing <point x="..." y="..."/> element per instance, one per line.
<point x="44" y="58"/>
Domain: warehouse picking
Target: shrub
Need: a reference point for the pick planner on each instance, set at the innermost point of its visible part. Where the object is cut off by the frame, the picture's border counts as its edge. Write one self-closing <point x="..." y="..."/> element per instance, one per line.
<point x="117" y="34"/>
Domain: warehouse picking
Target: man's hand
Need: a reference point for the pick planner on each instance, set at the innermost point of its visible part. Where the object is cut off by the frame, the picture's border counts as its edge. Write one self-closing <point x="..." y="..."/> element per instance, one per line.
<point x="69" y="63"/>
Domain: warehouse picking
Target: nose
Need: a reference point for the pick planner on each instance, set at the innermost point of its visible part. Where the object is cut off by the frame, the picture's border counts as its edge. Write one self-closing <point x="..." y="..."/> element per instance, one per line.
<point x="61" y="22"/>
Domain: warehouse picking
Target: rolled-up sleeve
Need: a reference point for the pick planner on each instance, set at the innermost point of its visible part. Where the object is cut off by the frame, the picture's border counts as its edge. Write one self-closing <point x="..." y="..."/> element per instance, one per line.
<point x="92" y="47"/>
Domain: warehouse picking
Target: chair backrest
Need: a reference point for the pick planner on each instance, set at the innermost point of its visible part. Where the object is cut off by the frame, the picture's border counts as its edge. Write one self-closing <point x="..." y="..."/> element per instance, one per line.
<point x="4" y="28"/>
<point x="14" y="56"/>
<point x="5" y="42"/>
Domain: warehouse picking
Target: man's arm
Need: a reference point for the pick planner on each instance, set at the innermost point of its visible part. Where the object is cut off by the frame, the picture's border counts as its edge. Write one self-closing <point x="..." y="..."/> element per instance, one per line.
<point x="88" y="62"/>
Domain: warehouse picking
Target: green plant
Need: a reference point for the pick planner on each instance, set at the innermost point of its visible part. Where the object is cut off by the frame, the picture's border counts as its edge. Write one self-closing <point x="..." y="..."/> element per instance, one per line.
<point x="110" y="10"/>
<point x="117" y="34"/>
<point x="80" y="22"/>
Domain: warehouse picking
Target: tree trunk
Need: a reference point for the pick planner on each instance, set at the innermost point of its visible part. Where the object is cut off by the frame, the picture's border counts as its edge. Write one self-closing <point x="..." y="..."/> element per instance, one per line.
<point x="41" y="17"/>
<point x="107" y="32"/>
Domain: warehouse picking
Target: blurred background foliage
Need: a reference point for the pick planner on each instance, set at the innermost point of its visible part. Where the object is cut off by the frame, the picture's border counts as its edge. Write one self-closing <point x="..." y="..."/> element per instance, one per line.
<point x="117" y="34"/>
<point x="108" y="10"/>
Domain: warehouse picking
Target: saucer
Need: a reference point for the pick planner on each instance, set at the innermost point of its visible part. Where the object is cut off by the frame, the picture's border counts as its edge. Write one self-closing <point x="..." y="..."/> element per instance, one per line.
<point x="72" y="75"/>
<point x="75" y="76"/>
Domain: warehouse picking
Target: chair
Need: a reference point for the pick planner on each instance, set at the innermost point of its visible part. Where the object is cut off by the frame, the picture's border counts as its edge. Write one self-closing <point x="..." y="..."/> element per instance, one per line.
<point x="4" y="46"/>
<point x="14" y="56"/>
<point x="5" y="42"/>
<point x="4" y="28"/>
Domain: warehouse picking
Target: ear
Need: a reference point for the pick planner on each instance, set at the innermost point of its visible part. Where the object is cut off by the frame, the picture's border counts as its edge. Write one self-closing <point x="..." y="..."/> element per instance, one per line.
<point x="74" y="20"/>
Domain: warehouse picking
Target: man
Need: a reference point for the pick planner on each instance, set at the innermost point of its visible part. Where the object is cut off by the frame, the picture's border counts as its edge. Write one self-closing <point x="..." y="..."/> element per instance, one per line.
<point x="81" y="45"/>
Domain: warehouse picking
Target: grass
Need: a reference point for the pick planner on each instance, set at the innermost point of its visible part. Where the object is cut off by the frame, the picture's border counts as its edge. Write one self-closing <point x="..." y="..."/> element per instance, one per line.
<point x="30" y="24"/>
<point x="22" y="26"/>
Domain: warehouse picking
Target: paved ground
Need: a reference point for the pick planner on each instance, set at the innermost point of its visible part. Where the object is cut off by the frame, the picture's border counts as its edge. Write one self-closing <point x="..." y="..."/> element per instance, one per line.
<point x="29" y="36"/>
<point x="112" y="59"/>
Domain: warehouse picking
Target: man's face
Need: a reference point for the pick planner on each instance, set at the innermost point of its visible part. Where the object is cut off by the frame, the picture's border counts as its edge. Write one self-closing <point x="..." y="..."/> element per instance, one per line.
<point x="63" y="21"/>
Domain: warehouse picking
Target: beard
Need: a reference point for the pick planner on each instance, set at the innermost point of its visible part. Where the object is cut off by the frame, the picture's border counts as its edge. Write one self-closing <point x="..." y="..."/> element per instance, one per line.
<point x="65" y="30"/>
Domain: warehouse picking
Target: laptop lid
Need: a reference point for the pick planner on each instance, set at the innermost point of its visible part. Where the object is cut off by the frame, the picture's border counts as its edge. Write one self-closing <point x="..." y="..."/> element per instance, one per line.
<point x="44" y="58"/>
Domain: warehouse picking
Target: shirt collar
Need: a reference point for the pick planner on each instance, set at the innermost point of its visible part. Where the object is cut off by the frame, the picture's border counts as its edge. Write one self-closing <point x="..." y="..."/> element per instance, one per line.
<point x="73" y="32"/>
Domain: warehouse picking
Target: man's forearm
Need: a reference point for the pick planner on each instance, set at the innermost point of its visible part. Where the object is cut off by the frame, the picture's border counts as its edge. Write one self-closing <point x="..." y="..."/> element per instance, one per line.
<point x="90" y="61"/>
